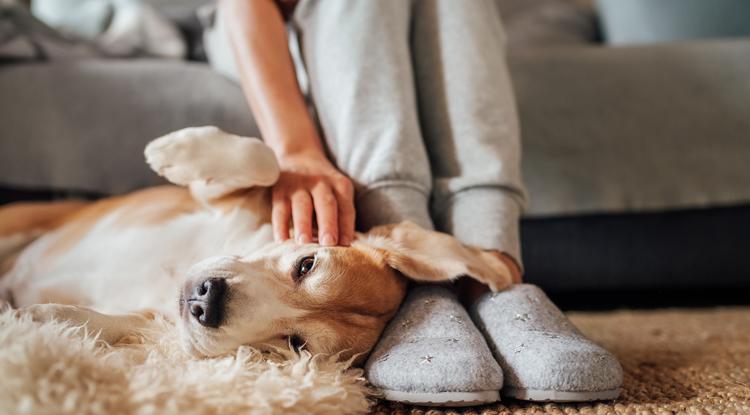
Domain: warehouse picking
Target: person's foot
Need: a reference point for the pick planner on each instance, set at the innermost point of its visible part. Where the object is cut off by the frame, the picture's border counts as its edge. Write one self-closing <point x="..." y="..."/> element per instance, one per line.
<point x="432" y="354"/>
<point x="543" y="356"/>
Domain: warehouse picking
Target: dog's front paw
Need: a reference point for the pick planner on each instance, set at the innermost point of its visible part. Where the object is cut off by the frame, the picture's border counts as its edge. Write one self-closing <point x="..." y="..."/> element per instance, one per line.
<point x="42" y="313"/>
<point x="210" y="156"/>
<point x="107" y="329"/>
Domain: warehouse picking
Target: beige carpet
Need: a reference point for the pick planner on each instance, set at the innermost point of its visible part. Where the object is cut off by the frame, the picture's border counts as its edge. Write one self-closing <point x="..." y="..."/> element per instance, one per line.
<point x="675" y="361"/>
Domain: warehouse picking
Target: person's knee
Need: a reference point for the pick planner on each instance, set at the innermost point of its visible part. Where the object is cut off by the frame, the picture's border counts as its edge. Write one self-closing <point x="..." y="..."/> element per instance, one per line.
<point x="359" y="14"/>
<point x="393" y="202"/>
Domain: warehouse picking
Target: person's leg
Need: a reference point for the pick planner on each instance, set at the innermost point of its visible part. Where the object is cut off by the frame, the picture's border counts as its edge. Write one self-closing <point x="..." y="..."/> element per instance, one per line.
<point x="470" y="125"/>
<point x="358" y="63"/>
<point x="468" y="117"/>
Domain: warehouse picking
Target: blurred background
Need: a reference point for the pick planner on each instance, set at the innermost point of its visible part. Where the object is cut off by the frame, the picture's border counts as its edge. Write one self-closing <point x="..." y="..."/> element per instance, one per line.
<point x="635" y="120"/>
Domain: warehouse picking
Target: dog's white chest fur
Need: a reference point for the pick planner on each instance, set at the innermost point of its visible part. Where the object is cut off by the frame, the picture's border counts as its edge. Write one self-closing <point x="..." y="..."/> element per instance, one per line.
<point x="116" y="269"/>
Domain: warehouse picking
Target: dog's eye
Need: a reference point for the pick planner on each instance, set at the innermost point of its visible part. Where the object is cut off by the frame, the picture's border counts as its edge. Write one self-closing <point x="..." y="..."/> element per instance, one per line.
<point x="304" y="266"/>
<point x="296" y="341"/>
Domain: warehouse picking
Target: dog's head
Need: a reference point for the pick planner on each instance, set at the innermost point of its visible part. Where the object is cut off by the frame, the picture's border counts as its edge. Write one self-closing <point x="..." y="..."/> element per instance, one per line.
<point x="325" y="299"/>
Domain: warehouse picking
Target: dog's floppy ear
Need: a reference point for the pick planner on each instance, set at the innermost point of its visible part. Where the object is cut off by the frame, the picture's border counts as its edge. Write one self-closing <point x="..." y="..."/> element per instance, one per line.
<point x="424" y="255"/>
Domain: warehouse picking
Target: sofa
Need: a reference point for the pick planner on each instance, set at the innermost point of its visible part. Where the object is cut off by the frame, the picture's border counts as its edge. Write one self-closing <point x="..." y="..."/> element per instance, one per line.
<point x="635" y="157"/>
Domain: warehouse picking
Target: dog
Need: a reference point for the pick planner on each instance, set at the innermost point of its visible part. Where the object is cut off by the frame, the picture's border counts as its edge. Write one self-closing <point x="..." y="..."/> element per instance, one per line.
<point x="202" y="255"/>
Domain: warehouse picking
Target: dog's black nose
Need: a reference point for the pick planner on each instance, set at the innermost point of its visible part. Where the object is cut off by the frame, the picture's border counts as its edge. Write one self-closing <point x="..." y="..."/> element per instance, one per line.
<point x="207" y="302"/>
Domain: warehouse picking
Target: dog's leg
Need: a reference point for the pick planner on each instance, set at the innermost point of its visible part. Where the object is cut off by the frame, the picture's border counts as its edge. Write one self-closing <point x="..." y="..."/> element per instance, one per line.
<point x="22" y="223"/>
<point x="211" y="162"/>
<point x="110" y="327"/>
<point x="35" y="217"/>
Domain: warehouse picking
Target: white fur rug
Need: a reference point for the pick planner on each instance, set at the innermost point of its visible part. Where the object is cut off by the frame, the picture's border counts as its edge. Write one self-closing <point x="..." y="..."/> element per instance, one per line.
<point x="53" y="368"/>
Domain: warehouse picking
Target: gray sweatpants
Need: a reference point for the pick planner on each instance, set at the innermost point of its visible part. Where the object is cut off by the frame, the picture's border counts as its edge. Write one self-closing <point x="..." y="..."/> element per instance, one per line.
<point x="415" y="104"/>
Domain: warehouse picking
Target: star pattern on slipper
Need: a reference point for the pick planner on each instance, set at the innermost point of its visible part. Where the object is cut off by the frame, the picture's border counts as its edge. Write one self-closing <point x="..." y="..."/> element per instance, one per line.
<point x="521" y="317"/>
<point x="435" y="337"/>
<point x="541" y="350"/>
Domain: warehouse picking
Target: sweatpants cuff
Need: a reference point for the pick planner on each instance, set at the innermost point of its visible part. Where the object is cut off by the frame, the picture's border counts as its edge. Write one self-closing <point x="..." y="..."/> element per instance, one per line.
<point x="387" y="204"/>
<point x="484" y="217"/>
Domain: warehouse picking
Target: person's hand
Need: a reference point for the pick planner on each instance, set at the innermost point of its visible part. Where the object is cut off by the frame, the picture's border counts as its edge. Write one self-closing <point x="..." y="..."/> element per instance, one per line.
<point x="310" y="184"/>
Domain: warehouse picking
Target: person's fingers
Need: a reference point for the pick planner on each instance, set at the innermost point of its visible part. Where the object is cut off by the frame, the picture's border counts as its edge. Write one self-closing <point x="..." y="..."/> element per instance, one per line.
<point x="345" y="201"/>
<point x="281" y="213"/>
<point x="302" y="208"/>
<point x="326" y="213"/>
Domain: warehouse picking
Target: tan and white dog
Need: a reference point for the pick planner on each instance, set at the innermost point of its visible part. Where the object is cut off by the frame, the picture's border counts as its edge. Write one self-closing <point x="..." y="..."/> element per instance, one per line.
<point x="205" y="258"/>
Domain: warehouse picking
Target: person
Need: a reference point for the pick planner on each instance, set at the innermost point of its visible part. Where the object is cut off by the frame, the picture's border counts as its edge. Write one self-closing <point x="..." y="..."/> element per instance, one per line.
<point x="414" y="119"/>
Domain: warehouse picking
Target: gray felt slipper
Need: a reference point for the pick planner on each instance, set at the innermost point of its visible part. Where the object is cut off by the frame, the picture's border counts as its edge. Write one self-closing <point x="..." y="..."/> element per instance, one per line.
<point x="432" y="354"/>
<point x="543" y="356"/>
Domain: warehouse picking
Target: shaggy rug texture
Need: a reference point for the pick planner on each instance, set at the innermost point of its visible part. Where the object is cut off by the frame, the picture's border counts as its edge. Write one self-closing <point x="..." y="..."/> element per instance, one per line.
<point x="53" y="368"/>
<point x="675" y="361"/>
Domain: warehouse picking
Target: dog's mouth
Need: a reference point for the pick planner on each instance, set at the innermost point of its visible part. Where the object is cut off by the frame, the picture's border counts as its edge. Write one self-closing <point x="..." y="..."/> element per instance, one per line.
<point x="189" y="344"/>
<point x="181" y="301"/>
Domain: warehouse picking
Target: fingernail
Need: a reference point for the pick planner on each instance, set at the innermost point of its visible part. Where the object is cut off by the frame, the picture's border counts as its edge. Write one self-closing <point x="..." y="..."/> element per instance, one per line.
<point x="345" y="241"/>
<point x="327" y="239"/>
<point x="303" y="239"/>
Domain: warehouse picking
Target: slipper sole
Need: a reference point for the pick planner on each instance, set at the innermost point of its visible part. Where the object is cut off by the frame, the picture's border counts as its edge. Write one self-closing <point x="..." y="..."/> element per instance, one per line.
<point x="560" y="396"/>
<point x="454" y="399"/>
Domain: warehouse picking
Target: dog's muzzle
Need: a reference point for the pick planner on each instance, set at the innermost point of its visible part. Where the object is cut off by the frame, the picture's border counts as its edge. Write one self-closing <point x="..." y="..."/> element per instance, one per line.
<point x="206" y="301"/>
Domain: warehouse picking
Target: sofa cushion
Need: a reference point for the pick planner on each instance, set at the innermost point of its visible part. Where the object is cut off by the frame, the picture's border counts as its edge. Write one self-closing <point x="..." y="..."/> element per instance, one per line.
<point x="83" y="124"/>
<point x="117" y="28"/>
<point x="635" y="128"/>
<point x="648" y="21"/>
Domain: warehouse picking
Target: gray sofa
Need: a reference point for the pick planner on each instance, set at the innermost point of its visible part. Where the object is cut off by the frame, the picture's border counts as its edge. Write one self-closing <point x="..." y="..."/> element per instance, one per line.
<point x="635" y="157"/>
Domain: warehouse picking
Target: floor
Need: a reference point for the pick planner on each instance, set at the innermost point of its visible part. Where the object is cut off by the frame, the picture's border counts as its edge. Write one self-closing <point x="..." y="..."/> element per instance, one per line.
<point x="675" y="361"/>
